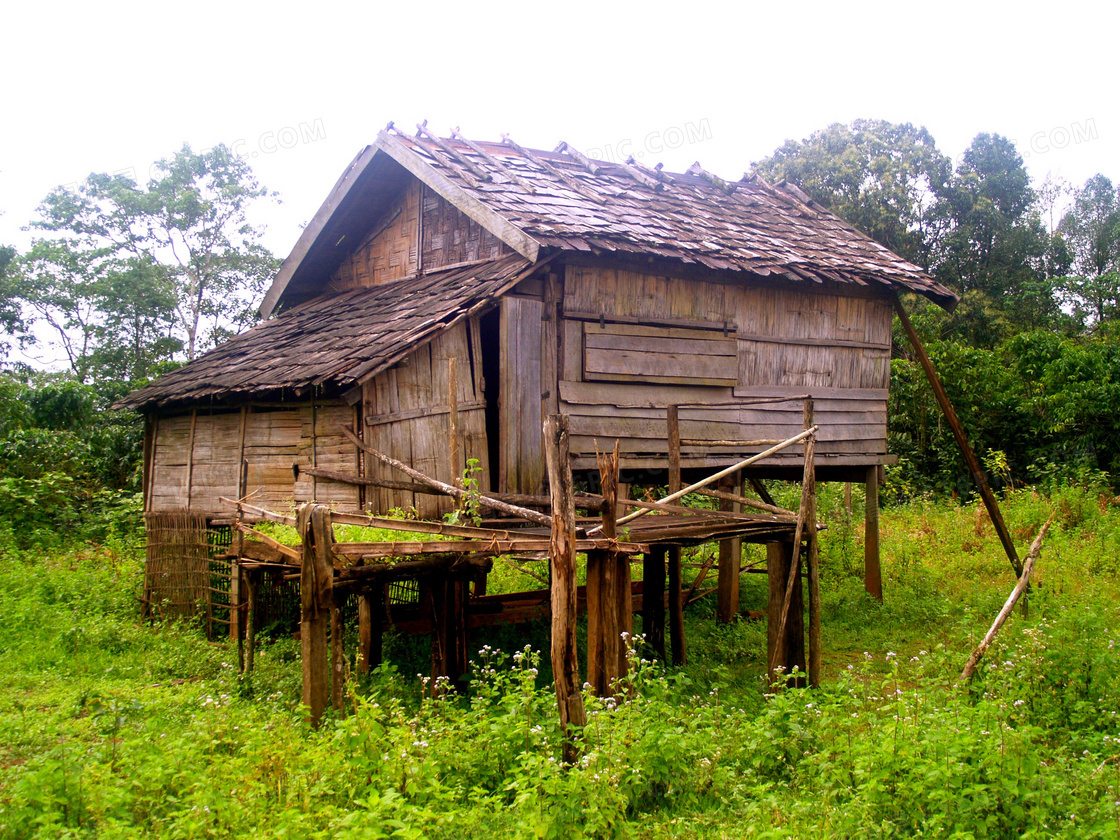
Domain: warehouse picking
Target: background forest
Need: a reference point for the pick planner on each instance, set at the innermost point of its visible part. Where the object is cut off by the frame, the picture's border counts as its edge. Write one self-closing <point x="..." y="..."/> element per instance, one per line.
<point x="124" y="281"/>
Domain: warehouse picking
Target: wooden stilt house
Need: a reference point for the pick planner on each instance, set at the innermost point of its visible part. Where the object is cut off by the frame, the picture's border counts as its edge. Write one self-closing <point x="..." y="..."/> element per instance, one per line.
<point x="444" y="278"/>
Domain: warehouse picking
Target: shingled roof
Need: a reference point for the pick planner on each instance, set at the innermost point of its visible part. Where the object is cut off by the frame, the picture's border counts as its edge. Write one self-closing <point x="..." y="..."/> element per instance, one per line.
<point x="335" y="342"/>
<point x="561" y="200"/>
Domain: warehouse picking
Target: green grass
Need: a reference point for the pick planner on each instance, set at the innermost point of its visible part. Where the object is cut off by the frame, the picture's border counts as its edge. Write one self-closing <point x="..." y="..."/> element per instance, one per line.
<point x="111" y="727"/>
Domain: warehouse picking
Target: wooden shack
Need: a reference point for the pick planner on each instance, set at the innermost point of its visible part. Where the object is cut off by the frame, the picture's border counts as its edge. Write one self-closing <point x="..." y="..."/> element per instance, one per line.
<point x="499" y="285"/>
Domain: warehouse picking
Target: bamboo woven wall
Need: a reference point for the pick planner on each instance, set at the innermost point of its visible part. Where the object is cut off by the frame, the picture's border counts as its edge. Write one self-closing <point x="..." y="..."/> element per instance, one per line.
<point x="390" y="249"/>
<point x="177" y="565"/>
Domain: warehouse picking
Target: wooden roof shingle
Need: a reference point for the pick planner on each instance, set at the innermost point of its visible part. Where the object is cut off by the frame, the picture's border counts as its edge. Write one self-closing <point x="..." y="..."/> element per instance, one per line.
<point x="563" y="201"/>
<point x="335" y="342"/>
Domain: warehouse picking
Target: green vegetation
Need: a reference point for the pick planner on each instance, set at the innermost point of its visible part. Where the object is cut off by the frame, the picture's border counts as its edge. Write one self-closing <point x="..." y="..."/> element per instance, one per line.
<point x="113" y="728"/>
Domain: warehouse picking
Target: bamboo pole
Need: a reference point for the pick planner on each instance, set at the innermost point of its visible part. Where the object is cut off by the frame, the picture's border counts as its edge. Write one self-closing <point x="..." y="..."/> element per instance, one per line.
<point x="455" y="492"/>
<point x="562" y="564"/>
<point x="1016" y="593"/>
<point x="962" y="440"/>
<point x="672" y="497"/>
<point x="795" y="563"/>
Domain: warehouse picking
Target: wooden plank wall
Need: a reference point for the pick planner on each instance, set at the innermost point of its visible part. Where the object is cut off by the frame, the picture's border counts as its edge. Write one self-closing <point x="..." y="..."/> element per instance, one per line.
<point x="276" y="439"/>
<point x="522" y="465"/>
<point x="407" y="416"/>
<point x="834" y="345"/>
<point x="450" y="237"/>
<point x="389" y="250"/>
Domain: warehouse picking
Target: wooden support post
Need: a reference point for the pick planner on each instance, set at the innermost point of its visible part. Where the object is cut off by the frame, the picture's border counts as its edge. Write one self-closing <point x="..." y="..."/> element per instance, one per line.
<point x="676" y="601"/>
<point x="812" y="553"/>
<point x="562" y="566"/>
<point x="371" y="611"/>
<point x="653" y="599"/>
<point x="730" y="556"/>
<point x="872" y="572"/>
<point x="447" y="598"/>
<point x="237" y="591"/>
<point x="779" y="559"/>
<point x="316" y="585"/>
<point x="606" y="602"/>
<point x="252" y="582"/>
<point x="338" y="652"/>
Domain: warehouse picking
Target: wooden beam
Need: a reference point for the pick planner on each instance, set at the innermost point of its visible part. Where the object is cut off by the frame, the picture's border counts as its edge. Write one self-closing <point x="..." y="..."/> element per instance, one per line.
<point x="788" y="651"/>
<point x="962" y="439"/>
<point x="872" y="571"/>
<point x="316" y="585"/>
<point x="653" y="599"/>
<point x="730" y="555"/>
<point x="678" y="649"/>
<point x="813" y="562"/>
<point x="562" y="564"/>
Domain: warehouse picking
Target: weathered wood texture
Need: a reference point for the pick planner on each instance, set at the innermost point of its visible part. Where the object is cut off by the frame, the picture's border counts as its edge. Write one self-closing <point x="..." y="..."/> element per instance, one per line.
<point x="562" y="567"/>
<point x="521" y="467"/>
<point x="272" y="441"/>
<point x="408" y="417"/>
<point x="388" y="250"/>
<point x="451" y="237"/>
<point x="634" y="343"/>
<point x="779" y="559"/>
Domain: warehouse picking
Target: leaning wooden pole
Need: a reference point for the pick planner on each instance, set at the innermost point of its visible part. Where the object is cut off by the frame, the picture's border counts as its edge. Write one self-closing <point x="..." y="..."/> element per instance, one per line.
<point x="1016" y="593"/>
<point x="562" y="559"/>
<point x="441" y="487"/>
<point x="962" y="440"/>
<point x="799" y="530"/>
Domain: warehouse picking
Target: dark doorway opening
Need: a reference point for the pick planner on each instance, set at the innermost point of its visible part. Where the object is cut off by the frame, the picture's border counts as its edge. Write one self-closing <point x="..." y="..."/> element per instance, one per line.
<point x="490" y="326"/>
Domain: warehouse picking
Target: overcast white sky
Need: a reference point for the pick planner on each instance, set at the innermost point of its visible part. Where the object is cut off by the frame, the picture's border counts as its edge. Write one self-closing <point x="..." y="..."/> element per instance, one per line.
<point x="301" y="88"/>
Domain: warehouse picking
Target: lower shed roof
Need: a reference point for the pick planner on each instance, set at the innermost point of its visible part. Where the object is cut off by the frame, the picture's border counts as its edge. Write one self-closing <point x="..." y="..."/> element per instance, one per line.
<point x="336" y="341"/>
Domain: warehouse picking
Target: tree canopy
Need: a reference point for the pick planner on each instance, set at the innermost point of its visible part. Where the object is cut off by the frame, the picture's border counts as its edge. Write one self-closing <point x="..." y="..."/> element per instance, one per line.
<point x="128" y="278"/>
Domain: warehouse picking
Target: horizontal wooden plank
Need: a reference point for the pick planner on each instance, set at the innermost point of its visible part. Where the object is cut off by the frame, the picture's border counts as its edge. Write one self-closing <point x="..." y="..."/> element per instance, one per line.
<point x="660" y="321"/>
<point x="806" y="341"/>
<point x="684" y="359"/>
<point x="814" y="392"/>
<point x="638" y="394"/>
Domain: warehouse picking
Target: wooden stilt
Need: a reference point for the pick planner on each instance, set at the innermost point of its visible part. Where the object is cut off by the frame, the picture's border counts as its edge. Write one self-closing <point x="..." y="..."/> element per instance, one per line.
<point x="812" y="554"/>
<point x="676" y="601"/>
<point x="562" y="564"/>
<point x="872" y="573"/>
<point x="338" y="652"/>
<point x="653" y="599"/>
<point x="252" y="582"/>
<point x="730" y="556"/>
<point x="371" y="610"/>
<point x="779" y="559"/>
<point x="316" y="593"/>
<point x="606" y="655"/>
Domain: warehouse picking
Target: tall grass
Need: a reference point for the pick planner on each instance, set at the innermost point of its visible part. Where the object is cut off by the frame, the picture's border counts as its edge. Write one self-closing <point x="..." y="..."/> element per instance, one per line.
<point x="111" y="727"/>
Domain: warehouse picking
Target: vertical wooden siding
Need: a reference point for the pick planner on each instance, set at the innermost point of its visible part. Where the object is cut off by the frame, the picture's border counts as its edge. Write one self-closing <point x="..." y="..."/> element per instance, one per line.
<point x="407" y="417"/>
<point x="276" y="439"/>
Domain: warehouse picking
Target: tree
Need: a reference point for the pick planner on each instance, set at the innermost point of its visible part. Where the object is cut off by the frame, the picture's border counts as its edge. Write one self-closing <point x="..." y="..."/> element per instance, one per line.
<point x="187" y="231"/>
<point x="883" y="178"/>
<point x="1092" y="230"/>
